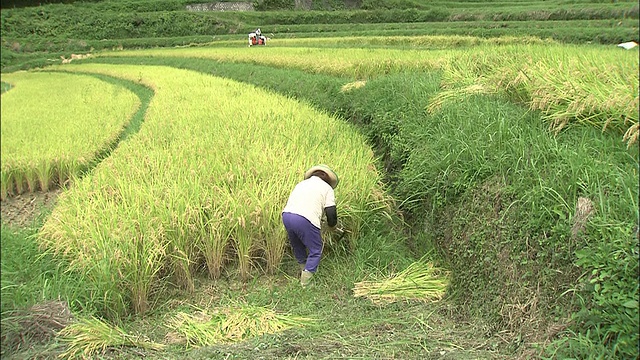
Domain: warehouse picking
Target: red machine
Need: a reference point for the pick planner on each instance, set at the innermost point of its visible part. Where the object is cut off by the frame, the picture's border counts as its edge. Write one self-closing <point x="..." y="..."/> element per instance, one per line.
<point x="255" y="39"/>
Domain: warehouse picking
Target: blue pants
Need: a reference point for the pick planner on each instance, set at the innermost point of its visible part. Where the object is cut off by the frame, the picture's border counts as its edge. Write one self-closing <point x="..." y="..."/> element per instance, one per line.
<point x="303" y="237"/>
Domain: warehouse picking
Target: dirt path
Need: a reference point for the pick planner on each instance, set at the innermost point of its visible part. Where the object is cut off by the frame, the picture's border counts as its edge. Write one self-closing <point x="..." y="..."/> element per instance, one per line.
<point x="22" y="210"/>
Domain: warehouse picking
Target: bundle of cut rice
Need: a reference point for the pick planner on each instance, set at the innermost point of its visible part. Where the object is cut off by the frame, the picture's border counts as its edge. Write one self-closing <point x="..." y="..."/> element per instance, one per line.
<point x="420" y="281"/>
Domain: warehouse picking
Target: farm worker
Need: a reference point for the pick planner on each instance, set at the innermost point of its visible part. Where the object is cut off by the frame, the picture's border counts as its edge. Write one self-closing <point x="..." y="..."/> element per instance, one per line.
<point x="309" y="200"/>
<point x="259" y="36"/>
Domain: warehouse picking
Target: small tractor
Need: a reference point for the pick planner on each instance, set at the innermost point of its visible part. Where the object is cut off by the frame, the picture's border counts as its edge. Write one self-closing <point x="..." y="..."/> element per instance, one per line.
<point x="256" y="38"/>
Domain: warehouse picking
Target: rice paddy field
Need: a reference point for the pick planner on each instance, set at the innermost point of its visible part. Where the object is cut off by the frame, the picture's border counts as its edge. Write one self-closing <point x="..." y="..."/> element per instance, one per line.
<point x="488" y="185"/>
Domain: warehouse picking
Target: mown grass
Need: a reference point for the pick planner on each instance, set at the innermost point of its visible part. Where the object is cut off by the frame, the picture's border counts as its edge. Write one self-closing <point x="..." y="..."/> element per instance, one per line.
<point x="344" y="326"/>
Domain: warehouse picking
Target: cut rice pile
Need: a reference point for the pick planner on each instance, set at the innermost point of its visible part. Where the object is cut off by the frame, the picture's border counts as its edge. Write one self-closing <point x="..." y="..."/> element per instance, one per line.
<point x="420" y="281"/>
<point x="231" y="324"/>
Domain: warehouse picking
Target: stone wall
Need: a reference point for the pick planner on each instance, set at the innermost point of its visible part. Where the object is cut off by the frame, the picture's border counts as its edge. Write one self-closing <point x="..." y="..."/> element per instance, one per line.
<point x="221" y="6"/>
<point x="303" y="4"/>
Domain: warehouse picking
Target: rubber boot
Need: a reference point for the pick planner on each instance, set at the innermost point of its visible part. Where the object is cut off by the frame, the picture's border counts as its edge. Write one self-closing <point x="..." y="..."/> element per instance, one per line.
<point x="305" y="277"/>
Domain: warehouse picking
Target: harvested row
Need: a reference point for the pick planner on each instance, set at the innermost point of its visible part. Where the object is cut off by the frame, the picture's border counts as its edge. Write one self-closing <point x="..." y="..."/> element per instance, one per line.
<point x="203" y="181"/>
<point x="54" y="125"/>
<point x="596" y="86"/>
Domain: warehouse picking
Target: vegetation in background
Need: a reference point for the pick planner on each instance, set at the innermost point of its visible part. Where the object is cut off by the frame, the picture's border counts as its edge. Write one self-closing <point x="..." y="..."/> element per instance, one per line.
<point x="30" y="32"/>
<point x="544" y="76"/>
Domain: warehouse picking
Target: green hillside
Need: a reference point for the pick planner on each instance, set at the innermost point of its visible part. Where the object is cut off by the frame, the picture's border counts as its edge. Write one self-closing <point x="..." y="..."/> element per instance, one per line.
<point x="65" y="27"/>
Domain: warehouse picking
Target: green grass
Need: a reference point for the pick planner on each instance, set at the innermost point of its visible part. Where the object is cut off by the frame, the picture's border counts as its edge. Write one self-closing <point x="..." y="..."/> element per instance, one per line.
<point x="29" y="277"/>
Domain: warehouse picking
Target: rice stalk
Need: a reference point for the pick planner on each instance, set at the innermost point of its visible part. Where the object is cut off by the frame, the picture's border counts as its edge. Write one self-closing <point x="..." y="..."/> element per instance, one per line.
<point x="266" y="221"/>
<point x="447" y="96"/>
<point x="243" y="241"/>
<point x="31" y="178"/>
<point x="146" y="254"/>
<point x="352" y="85"/>
<point x="90" y="336"/>
<point x="44" y="172"/>
<point x="419" y="281"/>
<point x="214" y="239"/>
<point x="181" y="245"/>
<point x="631" y="135"/>
<point x="18" y="177"/>
<point x="6" y="183"/>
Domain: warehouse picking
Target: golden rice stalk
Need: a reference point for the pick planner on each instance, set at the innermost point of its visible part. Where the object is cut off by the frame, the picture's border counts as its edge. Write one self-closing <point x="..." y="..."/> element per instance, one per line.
<point x="89" y="336"/>
<point x="420" y="281"/>
<point x="455" y="94"/>
<point x="631" y="135"/>
<point x="352" y="85"/>
<point x="231" y="324"/>
<point x="213" y="244"/>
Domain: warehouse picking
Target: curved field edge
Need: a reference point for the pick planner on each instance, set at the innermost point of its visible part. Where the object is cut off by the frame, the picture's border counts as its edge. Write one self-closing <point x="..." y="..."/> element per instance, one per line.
<point x="204" y="179"/>
<point x="56" y="127"/>
<point x="594" y="88"/>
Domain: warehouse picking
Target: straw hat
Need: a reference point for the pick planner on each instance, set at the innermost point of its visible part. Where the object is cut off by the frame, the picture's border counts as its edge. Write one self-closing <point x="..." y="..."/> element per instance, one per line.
<point x="333" y="178"/>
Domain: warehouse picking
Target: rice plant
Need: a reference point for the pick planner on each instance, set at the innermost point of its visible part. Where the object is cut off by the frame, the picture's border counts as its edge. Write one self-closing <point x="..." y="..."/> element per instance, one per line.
<point x="202" y="180"/>
<point x="215" y="236"/>
<point x="568" y="84"/>
<point x="44" y="173"/>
